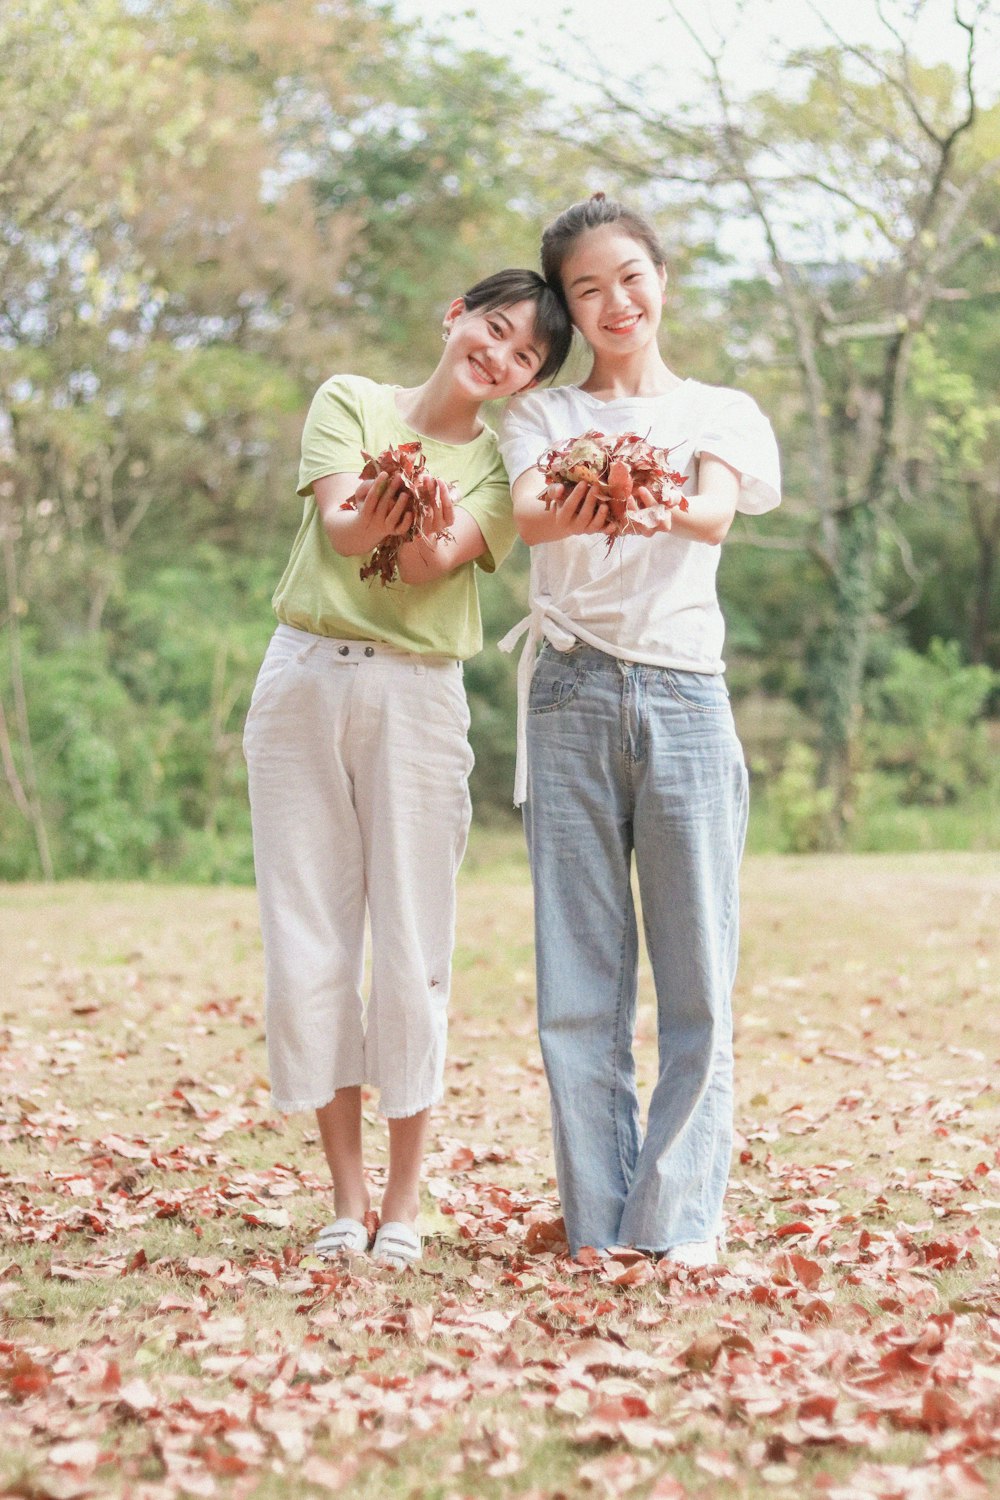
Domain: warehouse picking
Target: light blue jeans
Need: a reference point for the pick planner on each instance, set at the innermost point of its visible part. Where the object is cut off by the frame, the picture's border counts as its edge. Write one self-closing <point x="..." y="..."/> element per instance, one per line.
<point x="628" y="760"/>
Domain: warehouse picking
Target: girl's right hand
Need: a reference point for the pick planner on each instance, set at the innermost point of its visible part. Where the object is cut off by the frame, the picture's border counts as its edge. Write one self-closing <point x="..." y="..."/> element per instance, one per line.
<point x="577" y="511"/>
<point x="375" y="510"/>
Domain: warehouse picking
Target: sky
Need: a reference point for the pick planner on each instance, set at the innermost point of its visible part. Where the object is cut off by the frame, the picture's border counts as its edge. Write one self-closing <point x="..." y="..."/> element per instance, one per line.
<point x="634" y="35"/>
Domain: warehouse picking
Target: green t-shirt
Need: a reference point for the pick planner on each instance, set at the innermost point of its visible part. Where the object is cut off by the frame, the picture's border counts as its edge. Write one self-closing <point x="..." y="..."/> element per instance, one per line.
<point x="321" y="591"/>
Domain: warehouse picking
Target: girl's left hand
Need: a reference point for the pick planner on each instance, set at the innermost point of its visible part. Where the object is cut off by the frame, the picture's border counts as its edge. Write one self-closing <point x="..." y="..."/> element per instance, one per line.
<point x="651" y="515"/>
<point x="442" y="499"/>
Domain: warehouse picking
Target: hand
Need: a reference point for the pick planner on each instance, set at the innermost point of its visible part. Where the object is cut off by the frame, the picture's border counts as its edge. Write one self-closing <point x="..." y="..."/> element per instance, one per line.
<point x="645" y="515"/>
<point x="580" y="511"/>
<point x="441" y="498"/>
<point x="376" y="510"/>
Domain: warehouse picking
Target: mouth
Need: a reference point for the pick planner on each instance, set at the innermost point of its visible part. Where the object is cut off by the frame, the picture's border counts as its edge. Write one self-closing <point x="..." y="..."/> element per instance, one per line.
<point x="481" y="372"/>
<point x="623" y="325"/>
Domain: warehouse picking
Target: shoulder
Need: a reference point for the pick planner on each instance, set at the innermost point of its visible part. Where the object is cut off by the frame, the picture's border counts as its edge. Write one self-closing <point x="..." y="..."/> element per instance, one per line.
<point x="716" y="399"/>
<point x="358" y="390"/>
<point x="539" y="409"/>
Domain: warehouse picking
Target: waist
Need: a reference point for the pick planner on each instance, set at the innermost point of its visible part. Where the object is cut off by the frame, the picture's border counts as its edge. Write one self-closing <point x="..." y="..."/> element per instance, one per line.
<point x="340" y="649"/>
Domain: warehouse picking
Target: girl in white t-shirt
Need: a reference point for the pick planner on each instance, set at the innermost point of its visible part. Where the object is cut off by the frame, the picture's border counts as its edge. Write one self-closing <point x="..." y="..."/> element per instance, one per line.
<point x="627" y="750"/>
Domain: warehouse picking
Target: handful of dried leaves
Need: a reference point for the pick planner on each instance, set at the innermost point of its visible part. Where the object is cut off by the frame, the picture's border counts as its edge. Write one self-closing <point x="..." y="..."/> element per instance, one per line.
<point x="409" y="463"/>
<point x="619" y="467"/>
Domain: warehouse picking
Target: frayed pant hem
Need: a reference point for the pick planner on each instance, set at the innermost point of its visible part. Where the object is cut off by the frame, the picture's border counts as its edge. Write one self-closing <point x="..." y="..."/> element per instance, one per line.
<point x="293" y="1106"/>
<point x="410" y="1109"/>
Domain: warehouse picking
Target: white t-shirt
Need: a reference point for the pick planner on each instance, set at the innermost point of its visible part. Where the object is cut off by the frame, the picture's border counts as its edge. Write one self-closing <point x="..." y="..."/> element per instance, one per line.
<point x="646" y="599"/>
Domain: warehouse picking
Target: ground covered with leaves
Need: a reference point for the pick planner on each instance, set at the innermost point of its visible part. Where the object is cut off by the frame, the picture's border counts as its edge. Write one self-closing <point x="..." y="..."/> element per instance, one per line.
<point x="166" y="1330"/>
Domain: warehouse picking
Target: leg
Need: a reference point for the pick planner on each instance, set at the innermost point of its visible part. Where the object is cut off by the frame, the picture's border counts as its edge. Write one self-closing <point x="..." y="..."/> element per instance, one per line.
<point x="690" y="822"/>
<point x="578" y="824"/>
<point x="310" y="872"/>
<point x="407" y="1139"/>
<point x="340" y="1131"/>
<point x="412" y="795"/>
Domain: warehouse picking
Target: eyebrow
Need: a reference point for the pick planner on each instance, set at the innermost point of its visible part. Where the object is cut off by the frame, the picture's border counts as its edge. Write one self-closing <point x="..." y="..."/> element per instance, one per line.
<point x="636" y="259"/>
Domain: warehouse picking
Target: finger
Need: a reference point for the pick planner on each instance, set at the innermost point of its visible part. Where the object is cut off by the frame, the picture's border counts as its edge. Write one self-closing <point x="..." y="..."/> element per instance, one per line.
<point x="585" y="504"/>
<point x="399" y="517"/>
<point x="373" y="489"/>
<point x="569" y="502"/>
<point x="395" y="490"/>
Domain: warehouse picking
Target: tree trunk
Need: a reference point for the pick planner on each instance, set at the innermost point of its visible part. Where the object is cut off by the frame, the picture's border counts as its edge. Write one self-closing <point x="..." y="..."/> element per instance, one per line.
<point x="842" y="663"/>
<point x="985" y="518"/>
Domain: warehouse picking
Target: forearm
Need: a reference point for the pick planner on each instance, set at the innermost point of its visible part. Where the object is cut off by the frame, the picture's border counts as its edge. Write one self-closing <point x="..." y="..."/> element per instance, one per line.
<point x="707" y="519"/>
<point x="426" y="559"/>
<point x="346" y="532"/>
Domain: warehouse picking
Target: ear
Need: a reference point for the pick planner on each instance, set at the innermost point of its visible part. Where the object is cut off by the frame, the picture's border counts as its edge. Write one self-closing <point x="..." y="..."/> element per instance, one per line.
<point x="662" y="273"/>
<point x="455" y="310"/>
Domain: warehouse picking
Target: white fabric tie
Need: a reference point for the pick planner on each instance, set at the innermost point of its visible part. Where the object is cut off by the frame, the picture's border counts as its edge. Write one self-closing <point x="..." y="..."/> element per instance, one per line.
<point x="539" y="624"/>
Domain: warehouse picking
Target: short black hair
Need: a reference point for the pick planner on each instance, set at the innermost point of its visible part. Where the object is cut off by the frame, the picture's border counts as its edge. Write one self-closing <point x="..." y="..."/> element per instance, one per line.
<point x="553" y="328"/>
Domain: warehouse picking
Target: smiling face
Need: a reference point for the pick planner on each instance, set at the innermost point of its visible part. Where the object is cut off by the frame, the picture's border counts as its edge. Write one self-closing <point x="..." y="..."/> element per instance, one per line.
<point x="614" y="290"/>
<point x="493" y="353"/>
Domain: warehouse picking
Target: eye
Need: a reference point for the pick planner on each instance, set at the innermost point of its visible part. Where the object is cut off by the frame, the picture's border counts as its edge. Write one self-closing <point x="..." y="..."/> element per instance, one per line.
<point x="495" y="329"/>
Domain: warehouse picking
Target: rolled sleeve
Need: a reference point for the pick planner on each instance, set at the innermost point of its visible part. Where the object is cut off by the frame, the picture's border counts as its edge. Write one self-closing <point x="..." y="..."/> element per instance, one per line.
<point x="524" y="436"/>
<point x="490" y="506"/>
<point x="739" y="433"/>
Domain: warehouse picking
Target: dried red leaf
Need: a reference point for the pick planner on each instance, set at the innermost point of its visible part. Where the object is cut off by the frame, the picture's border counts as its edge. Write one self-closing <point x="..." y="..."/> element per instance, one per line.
<point x="618" y="467"/>
<point x="409" y="463"/>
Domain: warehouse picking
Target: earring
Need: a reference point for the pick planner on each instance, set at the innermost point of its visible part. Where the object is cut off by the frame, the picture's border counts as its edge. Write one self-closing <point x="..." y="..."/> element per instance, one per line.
<point x="444" y="335"/>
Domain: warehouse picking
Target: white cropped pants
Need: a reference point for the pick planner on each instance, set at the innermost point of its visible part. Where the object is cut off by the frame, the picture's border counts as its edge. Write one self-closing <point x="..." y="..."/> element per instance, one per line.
<point x="358" y="761"/>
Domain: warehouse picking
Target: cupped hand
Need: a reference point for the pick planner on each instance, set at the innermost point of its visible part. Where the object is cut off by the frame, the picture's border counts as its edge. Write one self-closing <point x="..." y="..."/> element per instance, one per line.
<point x="384" y="507"/>
<point x="580" y="510"/>
<point x="441" y="499"/>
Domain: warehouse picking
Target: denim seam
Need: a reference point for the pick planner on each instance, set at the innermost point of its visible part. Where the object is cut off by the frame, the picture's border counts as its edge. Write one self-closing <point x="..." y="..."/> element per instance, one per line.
<point x="622" y="977"/>
<point x="726" y="929"/>
<point x="616" y="1074"/>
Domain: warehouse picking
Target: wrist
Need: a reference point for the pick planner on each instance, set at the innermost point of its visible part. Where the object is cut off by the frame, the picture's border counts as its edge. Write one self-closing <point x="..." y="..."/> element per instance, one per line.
<point x="345" y="532"/>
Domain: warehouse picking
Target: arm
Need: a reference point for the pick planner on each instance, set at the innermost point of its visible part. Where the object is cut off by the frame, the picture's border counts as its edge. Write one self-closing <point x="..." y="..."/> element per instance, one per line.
<point x="425" y="559"/>
<point x="711" y="510"/>
<point x="380" y="511"/>
<point x="577" y="512"/>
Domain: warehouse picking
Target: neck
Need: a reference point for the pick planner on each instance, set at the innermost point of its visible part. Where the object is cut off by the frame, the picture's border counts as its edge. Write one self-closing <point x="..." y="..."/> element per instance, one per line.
<point x="641" y="372"/>
<point x="437" y="411"/>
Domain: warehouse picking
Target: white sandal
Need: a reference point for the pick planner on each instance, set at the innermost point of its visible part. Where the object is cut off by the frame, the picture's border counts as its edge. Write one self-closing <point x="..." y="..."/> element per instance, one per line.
<point x="397" y="1245"/>
<point x="342" y="1235"/>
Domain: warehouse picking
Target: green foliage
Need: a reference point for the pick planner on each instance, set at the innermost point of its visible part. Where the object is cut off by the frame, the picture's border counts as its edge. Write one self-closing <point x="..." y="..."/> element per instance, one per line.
<point x="802" y="807"/>
<point x="207" y="207"/>
<point x="927" y="728"/>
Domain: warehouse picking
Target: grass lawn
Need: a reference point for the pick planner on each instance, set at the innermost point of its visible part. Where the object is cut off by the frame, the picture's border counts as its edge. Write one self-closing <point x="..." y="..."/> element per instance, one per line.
<point x="165" y="1330"/>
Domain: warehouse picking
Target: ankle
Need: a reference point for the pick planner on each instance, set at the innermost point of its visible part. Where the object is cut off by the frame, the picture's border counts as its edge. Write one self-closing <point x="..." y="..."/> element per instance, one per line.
<point x="351" y="1202"/>
<point x="400" y="1208"/>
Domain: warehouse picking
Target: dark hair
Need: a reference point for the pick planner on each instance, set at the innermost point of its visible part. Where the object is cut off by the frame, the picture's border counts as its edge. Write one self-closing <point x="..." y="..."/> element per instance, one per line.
<point x="552" y="325"/>
<point x="562" y="233"/>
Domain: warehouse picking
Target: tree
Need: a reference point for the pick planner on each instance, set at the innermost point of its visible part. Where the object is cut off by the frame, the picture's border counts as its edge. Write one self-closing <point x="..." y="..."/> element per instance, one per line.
<point x="870" y="178"/>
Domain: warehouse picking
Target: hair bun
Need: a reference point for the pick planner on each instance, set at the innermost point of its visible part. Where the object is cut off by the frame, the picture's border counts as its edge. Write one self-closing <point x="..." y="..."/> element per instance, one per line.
<point x="598" y="197"/>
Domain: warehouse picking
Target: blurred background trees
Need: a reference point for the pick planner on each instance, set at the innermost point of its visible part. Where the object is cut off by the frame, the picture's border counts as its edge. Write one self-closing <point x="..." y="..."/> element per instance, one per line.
<point x="206" y="206"/>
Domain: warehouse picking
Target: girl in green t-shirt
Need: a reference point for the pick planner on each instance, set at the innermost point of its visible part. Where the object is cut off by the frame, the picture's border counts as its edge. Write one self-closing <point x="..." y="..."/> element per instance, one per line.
<point x="357" y="748"/>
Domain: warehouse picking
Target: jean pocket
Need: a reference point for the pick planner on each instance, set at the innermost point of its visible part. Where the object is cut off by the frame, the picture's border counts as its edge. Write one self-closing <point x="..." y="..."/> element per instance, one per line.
<point x="704" y="692"/>
<point x="556" y="681"/>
